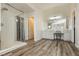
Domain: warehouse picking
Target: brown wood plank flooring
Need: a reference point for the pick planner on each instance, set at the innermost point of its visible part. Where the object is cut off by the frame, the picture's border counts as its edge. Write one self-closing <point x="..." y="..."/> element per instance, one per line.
<point x="46" y="47"/>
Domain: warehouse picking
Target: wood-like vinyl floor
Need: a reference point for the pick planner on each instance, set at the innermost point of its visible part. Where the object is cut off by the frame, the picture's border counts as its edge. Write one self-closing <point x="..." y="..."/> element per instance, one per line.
<point x="46" y="47"/>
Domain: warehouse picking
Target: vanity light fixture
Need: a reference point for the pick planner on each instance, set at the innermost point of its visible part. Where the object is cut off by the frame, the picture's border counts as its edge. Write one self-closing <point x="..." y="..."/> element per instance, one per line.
<point x="55" y="17"/>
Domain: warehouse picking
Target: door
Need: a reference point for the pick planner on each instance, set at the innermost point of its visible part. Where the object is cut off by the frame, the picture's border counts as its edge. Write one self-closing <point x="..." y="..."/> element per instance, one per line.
<point x="20" y="29"/>
<point x="31" y="28"/>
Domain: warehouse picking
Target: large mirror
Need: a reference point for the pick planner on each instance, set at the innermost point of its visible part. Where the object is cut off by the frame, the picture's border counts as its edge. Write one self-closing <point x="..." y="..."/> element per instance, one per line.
<point x="57" y="23"/>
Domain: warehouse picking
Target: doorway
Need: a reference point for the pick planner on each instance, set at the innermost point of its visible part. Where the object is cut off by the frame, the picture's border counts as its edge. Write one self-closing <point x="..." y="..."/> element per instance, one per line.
<point x="31" y="30"/>
<point x="20" y="29"/>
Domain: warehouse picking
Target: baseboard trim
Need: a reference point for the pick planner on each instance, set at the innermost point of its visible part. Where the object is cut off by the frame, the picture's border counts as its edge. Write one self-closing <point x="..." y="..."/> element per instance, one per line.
<point x="2" y="52"/>
<point x="77" y="45"/>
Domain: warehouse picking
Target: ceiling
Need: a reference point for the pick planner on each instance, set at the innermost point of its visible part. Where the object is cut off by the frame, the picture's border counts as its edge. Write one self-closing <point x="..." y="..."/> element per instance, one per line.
<point x="22" y="7"/>
<point x="30" y="7"/>
<point x="44" y="6"/>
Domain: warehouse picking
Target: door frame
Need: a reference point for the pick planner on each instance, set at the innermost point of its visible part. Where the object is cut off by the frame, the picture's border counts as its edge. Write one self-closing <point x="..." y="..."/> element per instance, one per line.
<point x="74" y="26"/>
<point x="28" y="26"/>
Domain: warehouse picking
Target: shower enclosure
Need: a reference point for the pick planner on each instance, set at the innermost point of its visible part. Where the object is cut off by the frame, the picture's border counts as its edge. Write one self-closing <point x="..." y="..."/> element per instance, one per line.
<point x="20" y="29"/>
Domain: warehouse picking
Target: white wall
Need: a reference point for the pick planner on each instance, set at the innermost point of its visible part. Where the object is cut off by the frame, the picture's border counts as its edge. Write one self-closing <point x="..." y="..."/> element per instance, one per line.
<point x="62" y="10"/>
<point x="77" y="26"/>
<point x="37" y="24"/>
<point x="65" y="10"/>
<point x="0" y="25"/>
<point x="37" y="27"/>
<point x="8" y="30"/>
<point x="9" y="34"/>
<point x="0" y="16"/>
